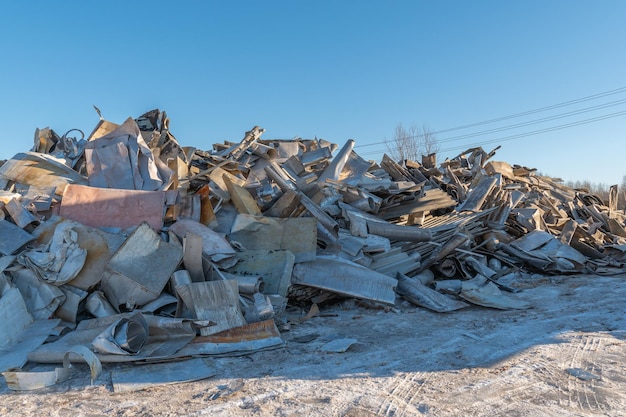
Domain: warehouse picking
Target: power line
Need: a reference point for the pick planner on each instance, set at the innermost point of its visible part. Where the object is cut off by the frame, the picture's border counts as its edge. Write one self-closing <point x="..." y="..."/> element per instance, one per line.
<point x="526" y="134"/>
<point x="536" y="121"/>
<point x="537" y="132"/>
<point x="541" y="109"/>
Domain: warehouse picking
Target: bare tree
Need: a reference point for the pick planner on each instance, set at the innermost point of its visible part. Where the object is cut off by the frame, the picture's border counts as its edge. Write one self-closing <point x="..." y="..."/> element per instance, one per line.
<point x="428" y="141"/>
<point x="411" y="143"/>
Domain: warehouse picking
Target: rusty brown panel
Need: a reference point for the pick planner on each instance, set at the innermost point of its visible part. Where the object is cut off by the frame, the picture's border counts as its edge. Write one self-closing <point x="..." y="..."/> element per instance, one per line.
<point x="106" y="207"/>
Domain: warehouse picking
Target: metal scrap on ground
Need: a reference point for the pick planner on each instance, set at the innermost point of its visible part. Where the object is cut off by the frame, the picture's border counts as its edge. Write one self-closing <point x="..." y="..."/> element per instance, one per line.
<point x="141" y="249"/>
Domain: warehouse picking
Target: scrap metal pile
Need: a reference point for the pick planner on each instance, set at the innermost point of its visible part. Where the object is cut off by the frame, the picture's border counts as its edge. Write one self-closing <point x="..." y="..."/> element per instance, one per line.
<point x="125" y="246"/>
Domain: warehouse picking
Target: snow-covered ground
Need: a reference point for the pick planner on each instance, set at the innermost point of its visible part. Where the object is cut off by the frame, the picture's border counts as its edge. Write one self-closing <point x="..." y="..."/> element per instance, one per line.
<point x="564" y="356"/>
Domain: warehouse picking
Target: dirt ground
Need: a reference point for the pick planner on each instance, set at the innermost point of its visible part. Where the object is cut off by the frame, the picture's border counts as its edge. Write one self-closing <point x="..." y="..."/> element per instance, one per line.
<point x="565" y="356"/>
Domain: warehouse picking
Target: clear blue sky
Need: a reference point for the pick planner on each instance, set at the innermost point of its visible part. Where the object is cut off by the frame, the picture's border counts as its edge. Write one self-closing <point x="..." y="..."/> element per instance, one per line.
<point x="331" y="69"/>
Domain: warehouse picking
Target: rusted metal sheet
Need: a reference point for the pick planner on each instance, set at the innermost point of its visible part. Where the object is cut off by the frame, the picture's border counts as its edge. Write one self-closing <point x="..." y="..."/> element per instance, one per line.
<point x="105" y="207"/>
<point x="240" y="340"/>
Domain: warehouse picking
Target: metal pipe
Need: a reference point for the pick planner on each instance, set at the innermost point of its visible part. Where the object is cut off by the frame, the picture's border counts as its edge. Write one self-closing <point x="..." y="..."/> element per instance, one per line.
<point x="398" y="232"/>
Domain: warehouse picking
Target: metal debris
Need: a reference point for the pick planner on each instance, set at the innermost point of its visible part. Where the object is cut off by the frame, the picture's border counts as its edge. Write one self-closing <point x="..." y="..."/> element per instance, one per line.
<point x="164" y="252"/>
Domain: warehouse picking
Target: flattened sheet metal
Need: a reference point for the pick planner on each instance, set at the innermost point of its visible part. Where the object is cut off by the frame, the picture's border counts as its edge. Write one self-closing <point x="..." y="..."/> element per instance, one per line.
<point x="269" y="233"/>
<point x="419" y="294"/>
<point x="485" y="293"/>
<point x="543" y="245"/>
<point x="12" y="238"/>
<point x="19" y="214"/>
<point x="477" y="196"/>
<point x="533" y="240"/>
<point x="241" y="198"/>
<point x="240" y="340"/>
<point x="141" y="267"/>
<point x="68" y="311"/>
<point x="5" y="262"/>
<point x="130" y="379"/>
<point x="217" y="301"/>
<point x="275" y="267"/>
<point x="29" y="340"/>
<point x="106" y="207"/>
<point x="40" y="170"/>
<point x="345" y="278"/>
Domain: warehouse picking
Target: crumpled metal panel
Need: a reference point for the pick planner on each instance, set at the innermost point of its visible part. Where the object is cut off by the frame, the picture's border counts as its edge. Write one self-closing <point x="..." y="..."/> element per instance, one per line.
<point x="121" y="159"/>
<point x="124" y="337"/>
